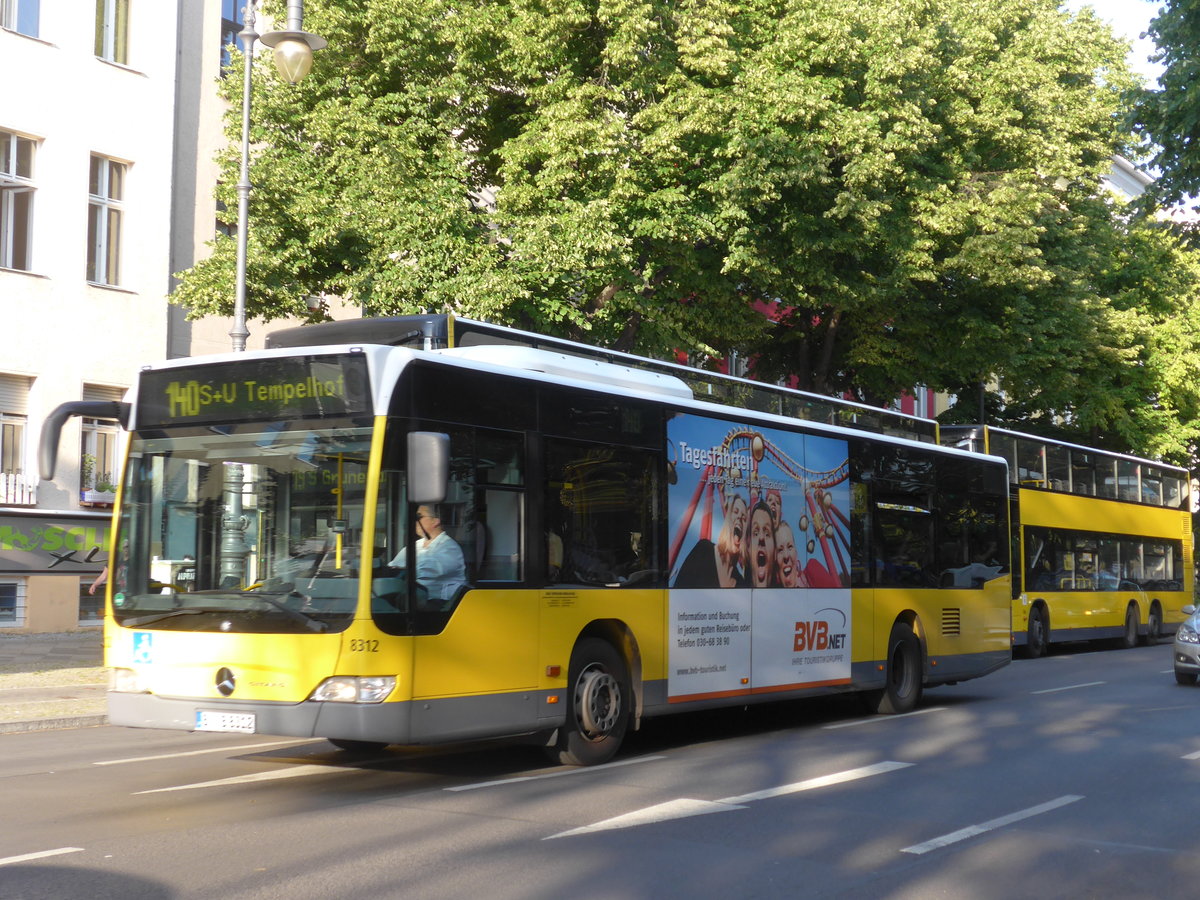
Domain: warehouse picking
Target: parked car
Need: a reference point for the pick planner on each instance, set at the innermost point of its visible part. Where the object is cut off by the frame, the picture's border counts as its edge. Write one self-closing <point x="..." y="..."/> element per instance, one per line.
<point x="1187" y="647"/>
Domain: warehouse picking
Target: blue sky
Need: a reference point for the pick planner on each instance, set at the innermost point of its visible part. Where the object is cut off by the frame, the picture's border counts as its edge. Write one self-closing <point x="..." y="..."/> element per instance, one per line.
<point x="1129" y="18"/>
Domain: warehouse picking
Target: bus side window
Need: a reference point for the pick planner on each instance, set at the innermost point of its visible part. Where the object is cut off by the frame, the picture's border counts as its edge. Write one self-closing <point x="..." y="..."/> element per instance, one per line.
<point x="600" y="514"/>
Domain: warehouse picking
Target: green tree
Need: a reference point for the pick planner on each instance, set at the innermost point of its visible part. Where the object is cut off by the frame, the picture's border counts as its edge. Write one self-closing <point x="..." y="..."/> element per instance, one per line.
<point x="910" y="186"/>
<point x="1168" y="114"/>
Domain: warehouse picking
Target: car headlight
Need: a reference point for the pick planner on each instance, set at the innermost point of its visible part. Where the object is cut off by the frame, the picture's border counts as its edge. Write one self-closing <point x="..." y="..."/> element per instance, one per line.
<point x="1188" y="634"/>
<point x="354" y="689"/>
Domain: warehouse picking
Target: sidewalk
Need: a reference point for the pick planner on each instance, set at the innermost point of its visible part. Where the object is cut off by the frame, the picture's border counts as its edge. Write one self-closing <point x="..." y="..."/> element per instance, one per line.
<point x="50" y="681"/>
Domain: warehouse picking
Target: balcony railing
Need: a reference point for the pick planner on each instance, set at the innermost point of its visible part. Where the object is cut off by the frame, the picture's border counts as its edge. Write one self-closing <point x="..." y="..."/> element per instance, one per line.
<point x="18" y="490"/>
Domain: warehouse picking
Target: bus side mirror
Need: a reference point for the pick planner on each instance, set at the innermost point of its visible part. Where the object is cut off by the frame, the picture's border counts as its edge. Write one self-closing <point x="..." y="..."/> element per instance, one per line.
<point x="428" y="466"/>
<point x="53" y="425"/>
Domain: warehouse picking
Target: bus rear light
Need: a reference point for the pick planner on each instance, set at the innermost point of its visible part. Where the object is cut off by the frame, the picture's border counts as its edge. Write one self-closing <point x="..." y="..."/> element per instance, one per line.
<point x="127" y="681"/>
<point x="354" y="689"/>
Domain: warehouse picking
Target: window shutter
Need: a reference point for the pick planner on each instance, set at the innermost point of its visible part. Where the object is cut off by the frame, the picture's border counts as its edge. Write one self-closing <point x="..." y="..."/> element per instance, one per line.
<point x="100" y="392"/>
<point x="14" y="394"/>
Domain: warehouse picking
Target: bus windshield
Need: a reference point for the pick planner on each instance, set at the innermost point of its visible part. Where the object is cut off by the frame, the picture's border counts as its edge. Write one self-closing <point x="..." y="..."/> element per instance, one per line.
<point x="245" y="528"/>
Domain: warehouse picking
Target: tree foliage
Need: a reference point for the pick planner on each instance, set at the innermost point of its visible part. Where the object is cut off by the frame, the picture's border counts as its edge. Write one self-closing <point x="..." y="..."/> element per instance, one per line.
<point x="1169" y="113"/>
<point x="909" y="186"/>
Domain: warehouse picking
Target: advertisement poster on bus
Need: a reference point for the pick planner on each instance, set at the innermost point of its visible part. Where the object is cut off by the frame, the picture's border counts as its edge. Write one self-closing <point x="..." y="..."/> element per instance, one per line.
<point x="760" y="559"/>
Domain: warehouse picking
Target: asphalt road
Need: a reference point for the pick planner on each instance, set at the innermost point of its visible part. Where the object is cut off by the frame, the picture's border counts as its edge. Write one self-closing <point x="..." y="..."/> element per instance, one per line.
<point x="1070" y="776"/>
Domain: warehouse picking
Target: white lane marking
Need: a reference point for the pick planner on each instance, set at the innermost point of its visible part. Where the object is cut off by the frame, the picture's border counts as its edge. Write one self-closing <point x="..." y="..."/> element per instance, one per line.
<point x="28" y="856"/>
<point x="819" y="782"/>
<point x="1069" y="687"/>
<point x="577" y="771"/>
<point x="869" y="719"/>
<point x="664" y="812"/>
<point x="686" y="807"/>
<point x="972" y="830"/>
<point x="1195" y="755"/>
<point x="297" y="772"/>
<point x="138" y="759"/>
<point x="301" y="771"/>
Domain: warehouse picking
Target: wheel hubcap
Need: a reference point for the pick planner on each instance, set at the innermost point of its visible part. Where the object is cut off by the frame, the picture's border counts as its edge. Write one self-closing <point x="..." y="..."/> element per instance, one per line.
<point x="597" y="702"/>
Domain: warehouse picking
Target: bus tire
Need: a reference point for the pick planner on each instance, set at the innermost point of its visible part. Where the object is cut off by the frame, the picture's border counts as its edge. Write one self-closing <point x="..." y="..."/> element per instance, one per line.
<point x="1039" y="633"/>
<point x="905" y="672"/>
<point x="1154" y="625"/>
<point x="357" y="746"/>
<point x="1129" y="637"/>
<point x="598" y="706"/>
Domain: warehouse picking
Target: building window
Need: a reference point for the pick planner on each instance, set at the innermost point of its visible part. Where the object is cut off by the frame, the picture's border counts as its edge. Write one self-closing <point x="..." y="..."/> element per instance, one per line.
<point x="16" y="200"/>
<point x="106" y="189"/>
<point x="91" y="605"/>
<point x="98" y="465"/>
<point x="15" y="488"/>
<point x="20" y="16"/>
<point x="12" y="602"/>
<point x="12" y="439"/>
<point x="233" y="18"/>
<point x="112" y="30"/>
<point x="223" y="226"/>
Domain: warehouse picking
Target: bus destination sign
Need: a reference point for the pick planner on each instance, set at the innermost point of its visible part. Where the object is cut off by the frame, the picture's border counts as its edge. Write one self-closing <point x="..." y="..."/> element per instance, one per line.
<point x="292" y="387"/>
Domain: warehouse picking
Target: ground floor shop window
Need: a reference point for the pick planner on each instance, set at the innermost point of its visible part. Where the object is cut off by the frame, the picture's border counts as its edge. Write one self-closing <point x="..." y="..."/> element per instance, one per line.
<point x="12" y="602"/>
<point x="91" y="605"/>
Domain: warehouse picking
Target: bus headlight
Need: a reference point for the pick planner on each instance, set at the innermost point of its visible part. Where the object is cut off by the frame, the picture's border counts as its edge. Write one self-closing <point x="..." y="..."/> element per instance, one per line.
<point x="127" y="681"/>
<point x="354" y="689"/>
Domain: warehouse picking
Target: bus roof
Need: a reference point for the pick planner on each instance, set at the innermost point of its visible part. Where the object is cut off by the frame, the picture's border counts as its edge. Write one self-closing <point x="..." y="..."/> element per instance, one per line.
<point x="436" y="331"/>
<point x="954" y="434"/>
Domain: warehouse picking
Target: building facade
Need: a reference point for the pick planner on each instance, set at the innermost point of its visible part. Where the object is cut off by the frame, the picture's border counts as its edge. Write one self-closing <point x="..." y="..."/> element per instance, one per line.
<point x="86" y="156"/>
<point x="109" y="129"/>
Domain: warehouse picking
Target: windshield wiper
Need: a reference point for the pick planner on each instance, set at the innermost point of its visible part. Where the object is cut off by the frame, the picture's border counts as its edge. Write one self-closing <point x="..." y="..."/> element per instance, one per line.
<point x="310" y="622"/>
<point x="135" y="621"/>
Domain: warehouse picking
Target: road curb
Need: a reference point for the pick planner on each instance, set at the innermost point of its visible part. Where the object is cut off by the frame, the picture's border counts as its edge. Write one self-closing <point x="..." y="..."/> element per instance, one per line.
<point x="53" y="724"/>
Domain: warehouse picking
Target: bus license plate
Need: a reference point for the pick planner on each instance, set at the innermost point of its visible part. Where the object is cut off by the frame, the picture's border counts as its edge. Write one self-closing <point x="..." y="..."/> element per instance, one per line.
<point x="209" y="720"/>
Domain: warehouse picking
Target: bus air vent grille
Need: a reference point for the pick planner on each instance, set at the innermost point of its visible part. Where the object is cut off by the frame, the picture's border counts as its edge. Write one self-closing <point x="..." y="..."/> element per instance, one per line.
<point x="951" y="621"/>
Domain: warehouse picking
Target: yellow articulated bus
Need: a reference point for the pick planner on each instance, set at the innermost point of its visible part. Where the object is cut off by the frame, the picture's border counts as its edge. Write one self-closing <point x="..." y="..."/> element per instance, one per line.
<point x="402" y="542"/>
<point x="1105" y="540"/>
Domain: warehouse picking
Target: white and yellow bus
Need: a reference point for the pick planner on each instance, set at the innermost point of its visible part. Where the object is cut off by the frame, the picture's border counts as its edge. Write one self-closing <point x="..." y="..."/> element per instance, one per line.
<point x="1105" y="540"/>
<point x="622" y="548"/>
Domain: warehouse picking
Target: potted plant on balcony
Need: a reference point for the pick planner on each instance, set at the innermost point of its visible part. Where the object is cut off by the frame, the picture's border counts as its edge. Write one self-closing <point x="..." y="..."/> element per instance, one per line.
<point x="98" y="488"/>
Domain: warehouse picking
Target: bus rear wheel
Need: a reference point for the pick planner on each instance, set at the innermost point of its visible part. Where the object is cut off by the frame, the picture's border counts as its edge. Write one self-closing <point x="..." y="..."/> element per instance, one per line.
<point x="1039" y="633"/>
<point x="1154" y="625"/>
<point x="598" y="706"/>
<point x="905" y="673"/>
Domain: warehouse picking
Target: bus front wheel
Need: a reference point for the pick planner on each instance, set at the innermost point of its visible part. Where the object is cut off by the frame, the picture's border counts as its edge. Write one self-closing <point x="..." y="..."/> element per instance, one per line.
<point x="1039" y="633"/>
<point x="597" y="706"/>
<point x="905" y="673"/>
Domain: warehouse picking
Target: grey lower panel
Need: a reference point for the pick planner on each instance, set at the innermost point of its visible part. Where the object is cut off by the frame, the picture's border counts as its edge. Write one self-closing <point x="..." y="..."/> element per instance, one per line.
<point x="415" y="722"/>
<point x="963" y="668"/>
<point x="1064" y="635"/>
<point x="866" y="676"/>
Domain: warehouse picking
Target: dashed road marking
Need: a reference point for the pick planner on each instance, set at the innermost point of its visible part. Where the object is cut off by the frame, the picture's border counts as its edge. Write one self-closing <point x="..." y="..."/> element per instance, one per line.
<point x="972" y="830"/>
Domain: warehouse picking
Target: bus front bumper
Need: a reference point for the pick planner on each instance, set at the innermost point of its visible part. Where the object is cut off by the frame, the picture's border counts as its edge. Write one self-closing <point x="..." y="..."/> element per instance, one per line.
<point x="403" y="722"/>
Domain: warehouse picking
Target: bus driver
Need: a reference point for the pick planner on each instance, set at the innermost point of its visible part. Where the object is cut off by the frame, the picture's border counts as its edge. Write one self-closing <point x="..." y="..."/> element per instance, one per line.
<point x="441" y="568"/>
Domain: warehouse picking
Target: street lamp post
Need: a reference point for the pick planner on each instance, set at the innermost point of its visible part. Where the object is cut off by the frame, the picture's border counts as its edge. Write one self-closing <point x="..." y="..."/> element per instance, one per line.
<point x="294" y="49"/>
<point x="293" y="57"/>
